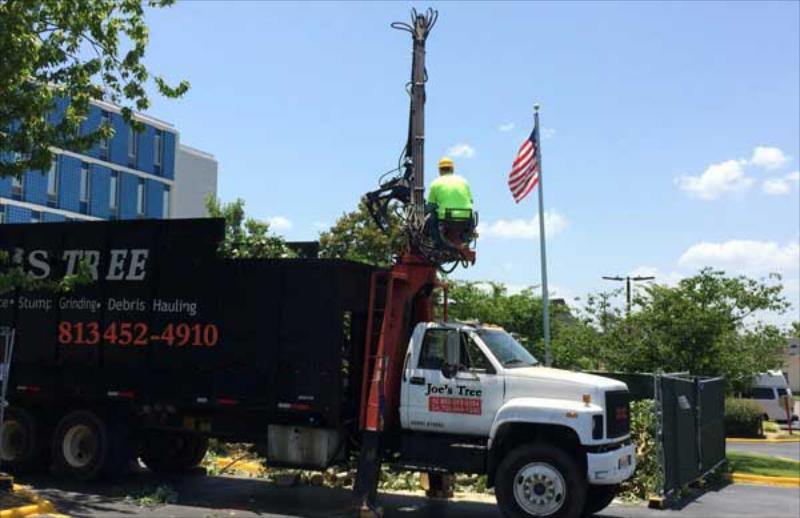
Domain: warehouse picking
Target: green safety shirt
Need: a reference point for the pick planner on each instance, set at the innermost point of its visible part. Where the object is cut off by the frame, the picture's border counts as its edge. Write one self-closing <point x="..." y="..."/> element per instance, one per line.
<point x="451" y="191"/>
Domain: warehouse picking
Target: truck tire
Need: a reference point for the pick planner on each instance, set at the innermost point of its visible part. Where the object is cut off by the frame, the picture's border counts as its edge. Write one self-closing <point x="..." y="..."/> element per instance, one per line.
<point x="23" y="441"/>
<point x="173" y="452"/>
<point x="540" y="480"/>
<point x="599" y="497"/>
<point x="86" y="447"/>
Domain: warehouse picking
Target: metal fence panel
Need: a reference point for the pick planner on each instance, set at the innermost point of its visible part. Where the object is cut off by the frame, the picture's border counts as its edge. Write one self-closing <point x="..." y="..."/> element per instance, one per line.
<point x="681" y="451"/>
<point x="712" y="422"/>
<point x="691" y="422"/>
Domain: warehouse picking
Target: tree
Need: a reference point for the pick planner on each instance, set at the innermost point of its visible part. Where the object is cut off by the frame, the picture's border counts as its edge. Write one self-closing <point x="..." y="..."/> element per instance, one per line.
<point x="518" y="313"/>
<point x="707" y="325"/>
<point x="73" y="50"/>
<point x="355" y="236"/>
<point x="245" y="238"/>
<point x="13" y="276"/>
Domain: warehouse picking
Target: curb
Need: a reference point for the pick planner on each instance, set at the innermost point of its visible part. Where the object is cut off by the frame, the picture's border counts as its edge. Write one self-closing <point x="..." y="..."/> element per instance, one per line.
<point x="38" y="506"/>
<point x="764" y="480"/>
<point x="764" y="441"/>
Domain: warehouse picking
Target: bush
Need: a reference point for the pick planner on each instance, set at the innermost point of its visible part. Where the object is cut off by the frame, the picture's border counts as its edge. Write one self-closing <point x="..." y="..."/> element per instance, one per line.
<point x="646" y="480"/>
<point x="743" y="418"/>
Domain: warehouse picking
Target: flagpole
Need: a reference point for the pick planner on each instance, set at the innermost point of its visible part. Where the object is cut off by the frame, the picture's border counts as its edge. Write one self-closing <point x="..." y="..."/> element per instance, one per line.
<point x="548" y="359"/>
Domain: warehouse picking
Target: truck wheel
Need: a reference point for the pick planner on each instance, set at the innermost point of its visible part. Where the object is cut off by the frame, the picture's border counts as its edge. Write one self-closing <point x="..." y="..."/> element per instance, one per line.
<point x="599" y="497"/>
<point x="86" y="447"/>
<point x="22" y="442"/>
<point x="171" y="452"/>
<point x="540" y="480"/>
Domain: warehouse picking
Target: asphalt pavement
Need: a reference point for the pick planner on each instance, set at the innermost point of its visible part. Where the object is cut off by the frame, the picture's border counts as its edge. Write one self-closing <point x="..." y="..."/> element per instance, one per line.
<point x="207" y="497"/>
<point x="784" y="450"/>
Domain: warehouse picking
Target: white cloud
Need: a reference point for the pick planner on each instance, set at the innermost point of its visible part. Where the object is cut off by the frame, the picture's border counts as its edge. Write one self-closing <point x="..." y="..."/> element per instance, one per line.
<point x="554" y="223"/>
<point x="279" y="223"/>
<point x="744" y="256"/>
<point x="776" y="186"/>
<point x="716" y="180"/>
<point x="729" y="176"/>
<point x="462" y="149"/>
<point x="548" y="132"/>
<point x="768" y="157"/>
<point x="666" y="278"/>
<point x="506" y="127"/>
<point x="779" y="186"/>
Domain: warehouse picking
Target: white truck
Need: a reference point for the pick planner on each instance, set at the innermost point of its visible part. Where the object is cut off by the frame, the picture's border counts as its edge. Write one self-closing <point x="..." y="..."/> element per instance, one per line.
<point x="770" y="391"/>
<point x="555" y="442"/>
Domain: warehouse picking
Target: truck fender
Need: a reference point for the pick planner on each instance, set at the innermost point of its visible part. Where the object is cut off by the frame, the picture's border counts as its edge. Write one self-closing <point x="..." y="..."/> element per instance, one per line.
<point x="567" y="424"/>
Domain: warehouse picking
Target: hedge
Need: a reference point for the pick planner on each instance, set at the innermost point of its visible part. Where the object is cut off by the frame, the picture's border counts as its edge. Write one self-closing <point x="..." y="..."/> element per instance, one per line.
<point x="743" y="418"/>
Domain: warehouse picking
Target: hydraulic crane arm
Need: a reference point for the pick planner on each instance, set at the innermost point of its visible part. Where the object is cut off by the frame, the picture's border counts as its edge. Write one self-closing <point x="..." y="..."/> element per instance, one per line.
<point x="408" y="187"/>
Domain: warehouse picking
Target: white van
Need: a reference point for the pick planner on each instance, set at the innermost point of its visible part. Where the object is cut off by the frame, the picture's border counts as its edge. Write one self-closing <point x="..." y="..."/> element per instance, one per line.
<point x="767" y="390"/>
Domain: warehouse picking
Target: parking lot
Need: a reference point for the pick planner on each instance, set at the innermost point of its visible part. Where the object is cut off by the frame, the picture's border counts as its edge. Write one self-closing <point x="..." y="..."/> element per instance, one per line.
<point x="206" y="496"/>
<point x="783" y="450"/>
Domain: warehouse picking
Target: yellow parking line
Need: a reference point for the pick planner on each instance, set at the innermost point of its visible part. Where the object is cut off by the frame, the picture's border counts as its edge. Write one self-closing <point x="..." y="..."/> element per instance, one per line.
<point x="764" y="480"/>
<point x="38" y="506"/>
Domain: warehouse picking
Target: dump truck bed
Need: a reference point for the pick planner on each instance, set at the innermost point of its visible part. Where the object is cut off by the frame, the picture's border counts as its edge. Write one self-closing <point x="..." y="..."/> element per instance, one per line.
<point x="169" y="323"/>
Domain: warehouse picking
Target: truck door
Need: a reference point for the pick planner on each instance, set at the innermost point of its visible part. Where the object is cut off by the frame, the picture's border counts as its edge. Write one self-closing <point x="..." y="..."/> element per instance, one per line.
<point x="457" y="402"/>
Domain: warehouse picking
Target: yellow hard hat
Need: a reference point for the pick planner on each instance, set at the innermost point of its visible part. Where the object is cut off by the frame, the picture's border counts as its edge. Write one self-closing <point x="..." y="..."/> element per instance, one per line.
<point x="446" y="163"/>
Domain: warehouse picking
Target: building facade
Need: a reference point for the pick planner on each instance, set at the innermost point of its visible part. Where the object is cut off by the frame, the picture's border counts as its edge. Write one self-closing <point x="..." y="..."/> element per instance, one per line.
<point x="130" y="176"/>
<point x="195" y="179"/>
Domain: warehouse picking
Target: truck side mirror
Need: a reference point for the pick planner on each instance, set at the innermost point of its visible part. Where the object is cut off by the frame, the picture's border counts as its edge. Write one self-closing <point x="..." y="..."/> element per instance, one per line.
<point x="450" y="366"/>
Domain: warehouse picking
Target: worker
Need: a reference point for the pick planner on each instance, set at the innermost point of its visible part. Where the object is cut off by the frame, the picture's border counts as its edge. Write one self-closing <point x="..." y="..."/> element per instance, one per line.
<point x="449" y="194"/>
<point x="450" y="206"/>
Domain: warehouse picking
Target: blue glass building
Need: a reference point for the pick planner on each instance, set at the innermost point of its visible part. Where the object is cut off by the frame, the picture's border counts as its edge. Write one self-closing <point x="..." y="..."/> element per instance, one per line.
<point x="130" y="176"/>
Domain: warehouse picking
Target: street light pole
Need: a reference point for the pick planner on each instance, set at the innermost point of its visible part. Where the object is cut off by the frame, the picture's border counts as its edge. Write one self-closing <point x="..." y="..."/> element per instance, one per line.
<point x="628" y="280"/>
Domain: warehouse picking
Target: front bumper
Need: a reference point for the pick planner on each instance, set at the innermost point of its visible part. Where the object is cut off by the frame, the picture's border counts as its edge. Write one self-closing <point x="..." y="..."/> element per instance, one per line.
<point x="611" y="467"/>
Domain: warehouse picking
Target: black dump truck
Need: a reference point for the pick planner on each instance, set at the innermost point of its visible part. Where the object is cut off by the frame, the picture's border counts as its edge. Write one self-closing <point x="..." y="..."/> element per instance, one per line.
<point x="172" y="344"/>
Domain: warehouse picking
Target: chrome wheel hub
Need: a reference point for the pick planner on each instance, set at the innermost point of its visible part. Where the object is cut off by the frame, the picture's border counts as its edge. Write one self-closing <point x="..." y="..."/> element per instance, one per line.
<point x="539" y="489"/>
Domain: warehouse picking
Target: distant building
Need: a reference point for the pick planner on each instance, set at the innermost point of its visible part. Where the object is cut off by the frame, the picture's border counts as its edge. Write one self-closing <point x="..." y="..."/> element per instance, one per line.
<point x="195" y="179"/>
<point x="132" y="175"/>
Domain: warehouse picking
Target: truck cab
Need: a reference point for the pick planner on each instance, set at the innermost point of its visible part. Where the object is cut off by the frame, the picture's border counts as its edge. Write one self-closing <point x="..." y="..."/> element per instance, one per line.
<point x="554" y="442"/>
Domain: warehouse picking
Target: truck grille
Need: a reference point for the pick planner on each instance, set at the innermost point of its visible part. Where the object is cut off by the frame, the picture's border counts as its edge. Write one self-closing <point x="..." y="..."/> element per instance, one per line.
<point x="618" y="413"/>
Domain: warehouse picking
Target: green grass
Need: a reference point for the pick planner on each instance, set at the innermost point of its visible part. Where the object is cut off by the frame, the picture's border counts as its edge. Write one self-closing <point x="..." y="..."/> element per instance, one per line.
<point x="762" y="465"/>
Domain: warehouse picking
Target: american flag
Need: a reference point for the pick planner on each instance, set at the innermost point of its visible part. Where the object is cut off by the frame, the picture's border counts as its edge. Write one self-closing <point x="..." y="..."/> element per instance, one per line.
<point x="524" y="173"/>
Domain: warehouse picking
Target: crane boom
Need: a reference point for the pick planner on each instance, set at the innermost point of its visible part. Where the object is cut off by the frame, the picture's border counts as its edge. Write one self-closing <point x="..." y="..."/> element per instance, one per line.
<point x="422" y="26"/>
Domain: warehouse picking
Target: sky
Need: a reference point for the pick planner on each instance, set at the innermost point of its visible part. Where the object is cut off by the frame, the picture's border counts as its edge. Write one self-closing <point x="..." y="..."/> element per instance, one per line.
<point x="670" y="131"/>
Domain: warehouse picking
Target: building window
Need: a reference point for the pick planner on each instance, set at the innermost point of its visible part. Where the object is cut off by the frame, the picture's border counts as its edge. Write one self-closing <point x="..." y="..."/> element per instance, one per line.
<point x="140" y="201"/>
<point x="84" y="188"/>
<point x="165" y="199"/>
<point x="158" y="151"/>
<point x="36" y="216"/>
<point x="133" y="147"/>
<point x="2" y="213"/>
<point x="105" y="120"/>
<point x="52" y="183"/>
<point x="16" y="187"/>
<point x="113" y="196"/>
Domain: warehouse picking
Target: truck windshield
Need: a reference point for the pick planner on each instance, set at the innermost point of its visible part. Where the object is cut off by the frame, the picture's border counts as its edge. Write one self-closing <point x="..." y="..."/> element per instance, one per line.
<point x="508" y="351"/>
